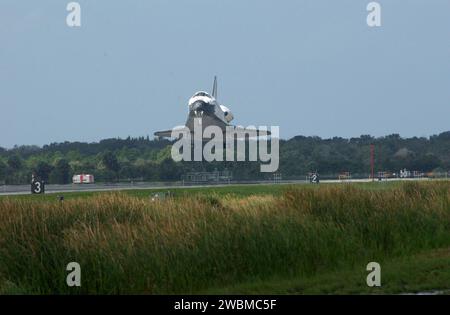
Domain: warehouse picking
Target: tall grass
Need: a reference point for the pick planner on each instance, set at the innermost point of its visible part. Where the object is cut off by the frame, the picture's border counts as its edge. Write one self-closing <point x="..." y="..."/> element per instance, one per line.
<point x="127" y="245"/>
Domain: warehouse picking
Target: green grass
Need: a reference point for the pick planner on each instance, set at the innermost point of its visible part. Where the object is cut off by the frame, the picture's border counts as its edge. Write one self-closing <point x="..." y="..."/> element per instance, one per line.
<point x="253" y="239"/>
<point x="427" y="272"/>
<point x="235" y="190"/>
<point x="238" y="191"/>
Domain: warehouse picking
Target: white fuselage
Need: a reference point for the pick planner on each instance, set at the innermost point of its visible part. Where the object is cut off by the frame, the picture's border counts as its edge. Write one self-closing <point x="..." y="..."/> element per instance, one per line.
<point x="220" y="111"/>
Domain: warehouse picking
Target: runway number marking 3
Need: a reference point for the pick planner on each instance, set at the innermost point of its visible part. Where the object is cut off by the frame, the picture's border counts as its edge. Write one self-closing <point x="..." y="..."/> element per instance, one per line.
<point x="37" y="187"/>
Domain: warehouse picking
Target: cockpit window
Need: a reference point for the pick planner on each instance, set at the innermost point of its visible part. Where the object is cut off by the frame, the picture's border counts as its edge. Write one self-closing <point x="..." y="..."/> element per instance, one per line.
<point x="201" y="94"/>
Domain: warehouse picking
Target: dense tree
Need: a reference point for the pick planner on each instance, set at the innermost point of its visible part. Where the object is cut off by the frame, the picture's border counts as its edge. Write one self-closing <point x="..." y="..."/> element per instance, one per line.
<point x="2" y="171"/>
<point x="134" y="159"/>
<point x="61" y="173"/>
<point x="109" y="160"/>
<point x="43" y="170"/>
<point x="15" y="162"/>
<point x="169" y="170"/>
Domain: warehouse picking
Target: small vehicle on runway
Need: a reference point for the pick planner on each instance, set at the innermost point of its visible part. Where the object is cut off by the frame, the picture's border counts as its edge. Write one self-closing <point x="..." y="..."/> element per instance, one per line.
<point x="83" y="179"/>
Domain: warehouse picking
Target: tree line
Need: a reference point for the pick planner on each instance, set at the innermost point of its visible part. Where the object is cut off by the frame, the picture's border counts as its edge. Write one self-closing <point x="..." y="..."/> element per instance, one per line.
<point x="142" y="159"/>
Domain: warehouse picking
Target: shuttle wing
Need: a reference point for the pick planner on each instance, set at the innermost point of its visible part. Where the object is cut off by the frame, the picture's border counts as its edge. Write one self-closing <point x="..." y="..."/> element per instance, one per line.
<point x="242" y="132"/>
<point x="163" y="134"/>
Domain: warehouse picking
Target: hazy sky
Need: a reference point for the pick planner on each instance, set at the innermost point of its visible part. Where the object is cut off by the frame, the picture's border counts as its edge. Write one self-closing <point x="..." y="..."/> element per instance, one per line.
<point x="311" y="67"/>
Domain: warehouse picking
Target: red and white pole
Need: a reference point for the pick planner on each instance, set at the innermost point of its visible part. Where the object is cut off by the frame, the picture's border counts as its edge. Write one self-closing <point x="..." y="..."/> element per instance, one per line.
<point x="372" y="161"/>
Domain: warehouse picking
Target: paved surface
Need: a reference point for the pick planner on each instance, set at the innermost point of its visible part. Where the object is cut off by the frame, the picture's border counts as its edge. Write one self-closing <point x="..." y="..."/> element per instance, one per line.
<point x="25" y="189"/>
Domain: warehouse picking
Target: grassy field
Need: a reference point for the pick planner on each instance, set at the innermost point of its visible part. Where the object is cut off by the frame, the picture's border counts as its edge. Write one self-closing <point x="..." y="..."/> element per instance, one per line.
<point x="240" y="239"/>
<point x="427" y="273"/>
<point x="234" y="190"/>
<point x="238" y="191"/>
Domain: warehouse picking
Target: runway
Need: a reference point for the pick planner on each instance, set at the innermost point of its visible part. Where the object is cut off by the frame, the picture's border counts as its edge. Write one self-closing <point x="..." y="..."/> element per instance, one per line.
<point x="9" y="190"/>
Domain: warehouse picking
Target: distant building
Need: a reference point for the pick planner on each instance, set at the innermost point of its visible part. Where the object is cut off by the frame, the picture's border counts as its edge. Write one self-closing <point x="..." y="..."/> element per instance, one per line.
<point x="207" y="177"/>
<point x="83" y="179"/>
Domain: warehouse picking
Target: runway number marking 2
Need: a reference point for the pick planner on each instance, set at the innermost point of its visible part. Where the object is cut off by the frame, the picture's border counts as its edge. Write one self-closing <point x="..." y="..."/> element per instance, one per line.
<point x="314" y="178"/>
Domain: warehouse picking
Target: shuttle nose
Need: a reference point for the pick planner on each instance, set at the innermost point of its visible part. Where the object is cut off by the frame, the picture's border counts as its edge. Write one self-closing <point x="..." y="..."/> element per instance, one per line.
<point x="199" y="106"/>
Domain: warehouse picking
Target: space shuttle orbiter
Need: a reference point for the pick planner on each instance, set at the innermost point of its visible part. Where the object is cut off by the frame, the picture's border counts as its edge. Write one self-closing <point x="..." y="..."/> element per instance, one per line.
<point x="206" y="107"/>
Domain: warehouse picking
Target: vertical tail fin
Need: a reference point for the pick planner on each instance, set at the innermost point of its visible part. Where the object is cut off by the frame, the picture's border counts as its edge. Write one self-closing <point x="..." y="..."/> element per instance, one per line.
<point x="214" y="90"/>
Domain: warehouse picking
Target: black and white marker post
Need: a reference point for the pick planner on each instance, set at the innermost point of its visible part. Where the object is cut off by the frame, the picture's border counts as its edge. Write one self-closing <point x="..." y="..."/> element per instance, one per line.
<point x="37" y="186"/>
<point x="314" y="178"/>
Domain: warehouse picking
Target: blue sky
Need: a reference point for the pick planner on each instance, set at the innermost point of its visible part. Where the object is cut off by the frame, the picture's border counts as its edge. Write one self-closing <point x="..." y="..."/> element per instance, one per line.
<point x="311" y="67"/>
